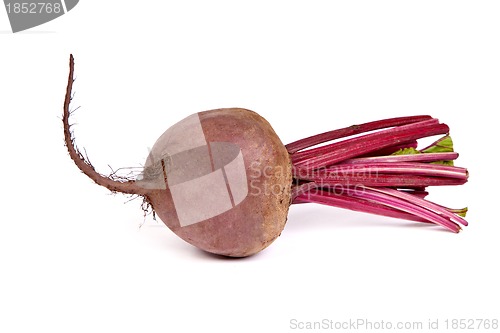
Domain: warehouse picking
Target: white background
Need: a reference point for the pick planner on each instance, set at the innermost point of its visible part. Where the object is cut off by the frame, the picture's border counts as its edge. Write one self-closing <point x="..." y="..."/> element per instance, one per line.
<point x="73" y="258"/>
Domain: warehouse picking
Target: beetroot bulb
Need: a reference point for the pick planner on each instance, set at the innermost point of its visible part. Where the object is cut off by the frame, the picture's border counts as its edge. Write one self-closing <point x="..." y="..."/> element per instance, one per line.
<point x="223" y="181"/>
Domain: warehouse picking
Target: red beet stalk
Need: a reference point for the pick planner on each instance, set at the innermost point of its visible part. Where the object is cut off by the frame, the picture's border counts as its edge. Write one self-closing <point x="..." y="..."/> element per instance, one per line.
<point x="380" y="172"/>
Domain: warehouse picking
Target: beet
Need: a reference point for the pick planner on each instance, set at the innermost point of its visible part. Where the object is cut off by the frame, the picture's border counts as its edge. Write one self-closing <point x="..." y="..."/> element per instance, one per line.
<point x="223" y="181"/>
<point x="217" y="167"/>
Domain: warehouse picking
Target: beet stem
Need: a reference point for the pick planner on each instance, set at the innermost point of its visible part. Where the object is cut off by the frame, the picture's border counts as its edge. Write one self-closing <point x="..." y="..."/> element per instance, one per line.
<point x="385" y="197"/>
<point x="423" y="203"/>
<point x="324" y="178"/>
<point x="413" y="168"/>
<point x="343" y="150"/>
<point x="301" y="155"/>
<point x="355" y="204"/>
<point x="392" y="149"/>
<point x="427" y="157"/>
<point x="351" y="130"/>
<point x="371" y="179"/>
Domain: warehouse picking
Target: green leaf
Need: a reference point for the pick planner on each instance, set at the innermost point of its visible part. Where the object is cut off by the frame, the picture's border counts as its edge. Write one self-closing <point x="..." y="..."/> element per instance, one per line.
<point x="460" y="212"/>
<point x="406" y="151"/>
<point x="443" y="145"/>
